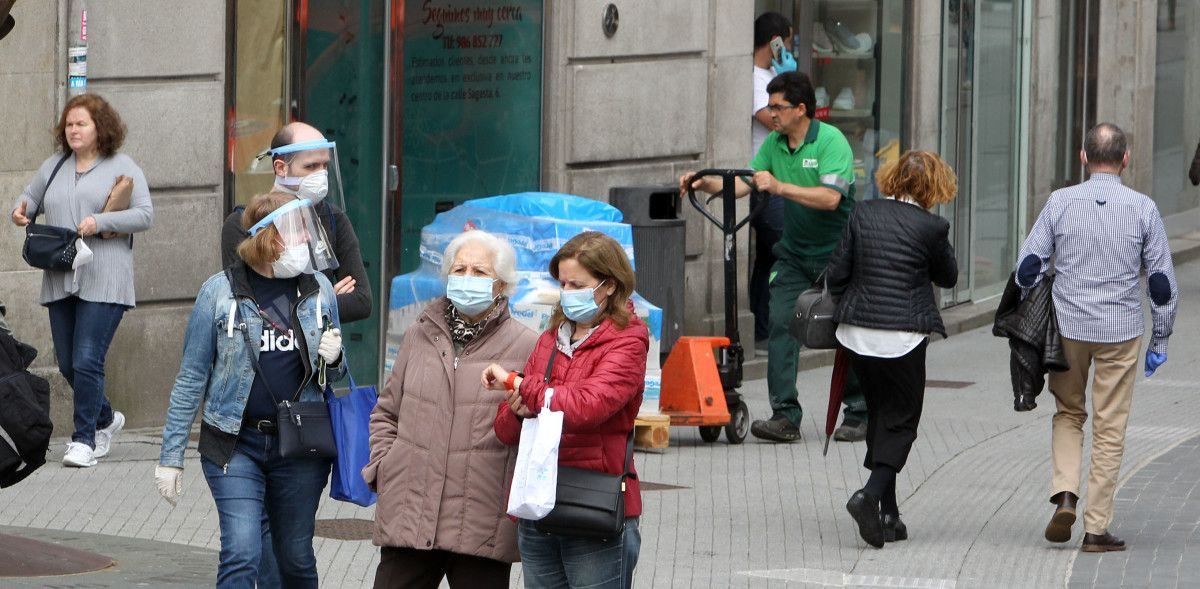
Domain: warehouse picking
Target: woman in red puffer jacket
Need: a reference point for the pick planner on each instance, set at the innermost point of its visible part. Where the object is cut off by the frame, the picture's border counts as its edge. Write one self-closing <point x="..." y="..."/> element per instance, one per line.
<point x="599" y="349"/>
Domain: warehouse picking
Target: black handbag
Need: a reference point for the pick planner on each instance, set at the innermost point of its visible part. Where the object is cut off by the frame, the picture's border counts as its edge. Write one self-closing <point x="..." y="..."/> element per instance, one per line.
<point x="46" y="246"/>
<point x="304" y="427"/>
<point x="812" y="322"/>
<point x="587" y="503"/>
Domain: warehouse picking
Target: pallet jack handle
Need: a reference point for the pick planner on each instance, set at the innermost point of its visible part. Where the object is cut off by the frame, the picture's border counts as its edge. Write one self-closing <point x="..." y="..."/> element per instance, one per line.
<point x="729" y="195"/>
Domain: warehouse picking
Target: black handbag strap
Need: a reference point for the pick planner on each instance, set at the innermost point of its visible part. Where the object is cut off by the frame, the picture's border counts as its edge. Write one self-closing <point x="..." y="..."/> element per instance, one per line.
<point x="628" y="443"/>
<point x="57" y="167"/>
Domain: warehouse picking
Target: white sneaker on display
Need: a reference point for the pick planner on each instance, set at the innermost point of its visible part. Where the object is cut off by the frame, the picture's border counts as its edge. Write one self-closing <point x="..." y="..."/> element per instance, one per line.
<point x="822" y="97"/>
<point x="844" y="100"/>
<point x="105" y="437"/>
<point x="821" y="42"/>
<point x="78" y="455"/>
<point x="865" y="43"/>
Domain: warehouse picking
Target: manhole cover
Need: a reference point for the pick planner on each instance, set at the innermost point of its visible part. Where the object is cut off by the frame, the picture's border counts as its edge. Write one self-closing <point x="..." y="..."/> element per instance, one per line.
<point x="649" y="486"/>
<point x="345" y="529"/>
<point x="22" y="557"/>
<point x="948" y="384"/>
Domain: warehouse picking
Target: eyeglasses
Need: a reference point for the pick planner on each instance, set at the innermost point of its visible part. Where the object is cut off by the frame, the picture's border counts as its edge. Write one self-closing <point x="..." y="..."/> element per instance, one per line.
<point x="777" y="108"/>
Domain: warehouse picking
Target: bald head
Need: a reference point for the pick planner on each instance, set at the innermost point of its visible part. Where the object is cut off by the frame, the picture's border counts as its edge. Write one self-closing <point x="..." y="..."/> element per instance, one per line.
<point x="302" y="163"/>
<point x="295" y="133"/>
<point x="1105" y="148"/>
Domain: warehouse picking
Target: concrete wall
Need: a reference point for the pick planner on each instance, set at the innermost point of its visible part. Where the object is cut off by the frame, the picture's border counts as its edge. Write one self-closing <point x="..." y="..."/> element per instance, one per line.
<point x="161" y="64"/>
<point x="670" y="92"/>
<point x="1125" y="81"/>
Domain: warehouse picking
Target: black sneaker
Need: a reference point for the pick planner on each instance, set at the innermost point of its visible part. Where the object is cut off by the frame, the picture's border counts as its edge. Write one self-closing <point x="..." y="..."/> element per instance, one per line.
<point x="851" y="430"/>
<point x="776" y="429"/>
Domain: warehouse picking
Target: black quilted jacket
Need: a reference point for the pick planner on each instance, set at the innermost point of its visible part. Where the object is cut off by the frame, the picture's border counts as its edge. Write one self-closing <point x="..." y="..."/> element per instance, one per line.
<point x="1032" y="331"/>
<point x="889" y="254"/>
<point x="1194" y="173"/>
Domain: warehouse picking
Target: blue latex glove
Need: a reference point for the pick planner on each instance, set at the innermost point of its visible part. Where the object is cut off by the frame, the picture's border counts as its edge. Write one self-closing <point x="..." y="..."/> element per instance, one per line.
<point x="1153" y="361"/>
<point x="787" y="65"/>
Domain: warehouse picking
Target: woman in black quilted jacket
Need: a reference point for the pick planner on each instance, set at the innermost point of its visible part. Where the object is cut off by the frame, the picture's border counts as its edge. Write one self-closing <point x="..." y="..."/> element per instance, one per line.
<point x="893" y="251"/>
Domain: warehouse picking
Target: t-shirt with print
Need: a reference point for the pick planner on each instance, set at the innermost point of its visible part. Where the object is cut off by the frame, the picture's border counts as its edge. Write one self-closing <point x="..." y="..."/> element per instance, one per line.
<point x="279" y="355"/>
<point x="823" y="159"/>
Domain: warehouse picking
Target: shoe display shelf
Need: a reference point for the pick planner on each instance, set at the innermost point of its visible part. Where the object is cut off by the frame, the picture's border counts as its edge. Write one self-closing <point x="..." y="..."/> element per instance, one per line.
<point x="845" y="62"/>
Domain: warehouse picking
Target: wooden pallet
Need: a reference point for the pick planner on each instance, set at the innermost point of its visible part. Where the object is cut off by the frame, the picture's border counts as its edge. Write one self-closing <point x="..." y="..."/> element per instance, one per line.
<point x="652" y="431"/>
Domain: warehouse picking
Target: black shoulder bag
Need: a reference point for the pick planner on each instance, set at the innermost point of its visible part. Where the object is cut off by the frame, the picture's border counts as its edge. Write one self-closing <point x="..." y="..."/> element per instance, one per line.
<point x="46" y="246"/>
<point x="812" y="320"/>
<point x="305" y="429"/>
<point x="588" y="503"/>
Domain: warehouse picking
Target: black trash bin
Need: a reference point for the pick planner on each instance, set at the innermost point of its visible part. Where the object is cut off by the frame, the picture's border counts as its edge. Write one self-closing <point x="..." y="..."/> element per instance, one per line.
<point x="658" y="249"/>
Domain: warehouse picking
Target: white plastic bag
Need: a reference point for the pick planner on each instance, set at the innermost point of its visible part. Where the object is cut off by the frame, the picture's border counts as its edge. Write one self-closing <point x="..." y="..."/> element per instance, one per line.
<point x="535" y="479"/>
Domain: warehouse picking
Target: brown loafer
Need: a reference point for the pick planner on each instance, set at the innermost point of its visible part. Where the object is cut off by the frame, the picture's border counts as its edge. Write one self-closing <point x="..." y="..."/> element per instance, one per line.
<point x="1105" y="542"/>
<point x="1059" y="528"/>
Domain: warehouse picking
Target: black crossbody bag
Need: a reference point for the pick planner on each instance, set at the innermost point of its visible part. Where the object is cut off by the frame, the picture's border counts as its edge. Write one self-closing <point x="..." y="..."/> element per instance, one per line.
<point x="588" y="503"/>
<point x="46" y="246"/>
<point x="304" y="427"/>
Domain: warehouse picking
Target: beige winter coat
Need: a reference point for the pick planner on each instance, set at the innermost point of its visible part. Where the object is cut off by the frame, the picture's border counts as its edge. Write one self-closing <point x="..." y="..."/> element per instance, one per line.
<point x="441" y="473"/>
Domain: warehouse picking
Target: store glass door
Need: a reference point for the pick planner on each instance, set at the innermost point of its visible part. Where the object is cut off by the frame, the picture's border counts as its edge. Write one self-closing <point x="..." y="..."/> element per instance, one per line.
<point x="981" y="138"/>
<point x="854" y="52"/>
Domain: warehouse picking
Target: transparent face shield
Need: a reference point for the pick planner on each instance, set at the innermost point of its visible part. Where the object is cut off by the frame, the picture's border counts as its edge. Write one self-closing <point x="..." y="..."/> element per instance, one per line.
<point x="309" y="170"/>
<point x="305" y="247"/>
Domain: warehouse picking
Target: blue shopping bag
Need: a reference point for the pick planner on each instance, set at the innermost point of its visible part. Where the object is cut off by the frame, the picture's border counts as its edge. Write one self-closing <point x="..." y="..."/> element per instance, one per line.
<point x="351" y="417"/>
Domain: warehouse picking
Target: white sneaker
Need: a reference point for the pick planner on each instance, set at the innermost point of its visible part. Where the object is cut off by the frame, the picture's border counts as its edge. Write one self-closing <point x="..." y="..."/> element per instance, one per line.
<point x="821" y="42"/>
<point x="822" y="97"/>
<point x="105" y="437"/>
<point x="844" y="100"/>
<point x="79" y="455"/>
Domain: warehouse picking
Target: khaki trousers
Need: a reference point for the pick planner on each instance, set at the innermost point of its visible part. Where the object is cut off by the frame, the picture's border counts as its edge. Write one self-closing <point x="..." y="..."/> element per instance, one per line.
<point x="1112" y="394"/>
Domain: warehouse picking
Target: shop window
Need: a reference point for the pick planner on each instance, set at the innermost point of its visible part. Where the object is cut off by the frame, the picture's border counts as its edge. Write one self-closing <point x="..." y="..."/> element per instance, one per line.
<point x="1176" y="119"/>
<point x="258" y="99"/>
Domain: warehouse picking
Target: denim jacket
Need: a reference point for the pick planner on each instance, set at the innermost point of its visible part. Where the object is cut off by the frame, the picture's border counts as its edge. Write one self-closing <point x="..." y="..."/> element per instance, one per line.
<point x="216" y="367"/>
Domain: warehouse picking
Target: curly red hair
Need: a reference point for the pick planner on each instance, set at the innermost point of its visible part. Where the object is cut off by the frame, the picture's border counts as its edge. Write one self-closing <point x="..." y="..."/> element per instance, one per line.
<point x="110" y="130"/>
<point x="921" y="176"/>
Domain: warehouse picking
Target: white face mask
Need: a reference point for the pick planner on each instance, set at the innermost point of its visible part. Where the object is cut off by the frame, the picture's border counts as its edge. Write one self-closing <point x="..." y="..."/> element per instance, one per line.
<point x="314" y="186"/>
<point x="292" y="262"/>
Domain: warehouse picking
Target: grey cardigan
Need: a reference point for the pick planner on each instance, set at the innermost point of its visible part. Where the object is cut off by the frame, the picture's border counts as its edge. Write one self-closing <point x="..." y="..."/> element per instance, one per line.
<point x="108" y="278"/>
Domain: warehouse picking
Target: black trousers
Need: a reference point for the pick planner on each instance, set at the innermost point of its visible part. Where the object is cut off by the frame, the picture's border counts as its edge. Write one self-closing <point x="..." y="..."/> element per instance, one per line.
<point x="765" y="238"/>
<point x="894" y="389"/>
<point x="407" y="568"/>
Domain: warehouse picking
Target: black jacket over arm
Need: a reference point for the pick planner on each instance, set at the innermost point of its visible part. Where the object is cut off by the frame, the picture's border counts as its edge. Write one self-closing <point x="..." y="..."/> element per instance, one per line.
<point x="890" y="253"/>
<point x="1031" y="327"/>
<point x="351" y="307"/>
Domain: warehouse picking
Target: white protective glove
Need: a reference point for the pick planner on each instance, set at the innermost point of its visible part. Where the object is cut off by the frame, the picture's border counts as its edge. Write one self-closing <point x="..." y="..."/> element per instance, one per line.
<point x="169" y="480"/>
<point x="330" y="347"/>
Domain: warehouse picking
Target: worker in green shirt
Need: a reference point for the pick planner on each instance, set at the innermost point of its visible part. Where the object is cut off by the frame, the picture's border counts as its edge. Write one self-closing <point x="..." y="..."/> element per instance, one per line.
<point x="811" y="165"/>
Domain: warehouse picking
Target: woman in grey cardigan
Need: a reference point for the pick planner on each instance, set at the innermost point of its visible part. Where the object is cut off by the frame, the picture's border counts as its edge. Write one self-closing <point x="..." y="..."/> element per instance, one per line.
<point x="86" y="304"/>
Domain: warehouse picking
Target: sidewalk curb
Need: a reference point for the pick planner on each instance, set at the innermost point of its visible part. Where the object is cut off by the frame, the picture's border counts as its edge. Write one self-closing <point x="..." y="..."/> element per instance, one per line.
<point x="961" y="318"/>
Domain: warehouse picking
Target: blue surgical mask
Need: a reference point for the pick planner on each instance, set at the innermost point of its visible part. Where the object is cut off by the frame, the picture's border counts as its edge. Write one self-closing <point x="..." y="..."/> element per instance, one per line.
<point x="471" y="295"/>
<point x="580" y="305"/>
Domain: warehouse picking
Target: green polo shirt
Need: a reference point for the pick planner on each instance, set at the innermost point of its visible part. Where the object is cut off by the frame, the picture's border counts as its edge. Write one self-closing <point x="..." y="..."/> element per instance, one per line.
<point x="824" y="159"/>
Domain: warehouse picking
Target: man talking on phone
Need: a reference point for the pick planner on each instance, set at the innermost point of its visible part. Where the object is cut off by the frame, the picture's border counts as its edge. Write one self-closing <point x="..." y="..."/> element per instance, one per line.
<point x="772" y="56"/>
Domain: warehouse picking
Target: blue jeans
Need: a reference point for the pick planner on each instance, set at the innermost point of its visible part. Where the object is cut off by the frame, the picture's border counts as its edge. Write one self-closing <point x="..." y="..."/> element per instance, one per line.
<point x="559" y="562"/>
<point x="258" y="480"/>
<point x="82" y="331"/>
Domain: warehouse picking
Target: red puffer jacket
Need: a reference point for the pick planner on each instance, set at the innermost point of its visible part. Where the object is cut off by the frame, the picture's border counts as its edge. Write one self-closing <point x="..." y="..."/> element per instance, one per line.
<point x="599" y="391"/>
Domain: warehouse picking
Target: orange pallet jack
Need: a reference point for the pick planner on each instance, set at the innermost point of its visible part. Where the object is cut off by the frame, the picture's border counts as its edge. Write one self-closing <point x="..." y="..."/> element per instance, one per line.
<point x="701" y="377"/>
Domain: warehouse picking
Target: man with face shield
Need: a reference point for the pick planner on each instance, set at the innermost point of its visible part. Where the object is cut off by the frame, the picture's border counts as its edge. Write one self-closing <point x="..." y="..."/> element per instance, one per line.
<point x="306" y="166"/>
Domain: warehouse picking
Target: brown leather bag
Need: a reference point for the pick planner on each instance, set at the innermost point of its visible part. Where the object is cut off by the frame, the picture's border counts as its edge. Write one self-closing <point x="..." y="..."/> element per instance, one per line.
<point x="118" y="200"/>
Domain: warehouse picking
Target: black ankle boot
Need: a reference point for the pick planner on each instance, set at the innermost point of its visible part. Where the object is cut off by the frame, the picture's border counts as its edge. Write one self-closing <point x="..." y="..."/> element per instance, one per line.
<point x="894" y="530"/>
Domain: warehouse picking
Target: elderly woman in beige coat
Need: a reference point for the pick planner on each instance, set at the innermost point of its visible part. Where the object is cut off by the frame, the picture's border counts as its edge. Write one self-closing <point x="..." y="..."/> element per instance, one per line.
<point x="441" y="473"/>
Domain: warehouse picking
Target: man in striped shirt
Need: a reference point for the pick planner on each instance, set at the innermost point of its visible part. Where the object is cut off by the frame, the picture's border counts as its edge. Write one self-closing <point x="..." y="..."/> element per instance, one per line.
<point x="1102" y="235"/>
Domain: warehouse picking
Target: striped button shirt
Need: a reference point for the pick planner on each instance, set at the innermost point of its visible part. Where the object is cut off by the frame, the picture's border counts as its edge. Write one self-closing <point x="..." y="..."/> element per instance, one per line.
<point x="1102" y="236"/>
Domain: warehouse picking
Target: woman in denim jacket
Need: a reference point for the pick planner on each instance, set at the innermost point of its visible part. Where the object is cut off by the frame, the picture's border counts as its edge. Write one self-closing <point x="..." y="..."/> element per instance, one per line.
<point x="270" y="295"/>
